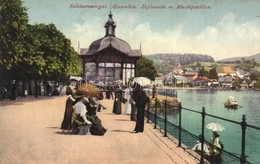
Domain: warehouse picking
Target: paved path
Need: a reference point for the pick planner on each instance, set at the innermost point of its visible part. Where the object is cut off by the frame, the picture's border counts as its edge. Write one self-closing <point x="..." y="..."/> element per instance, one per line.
<point x="30" y="133"/>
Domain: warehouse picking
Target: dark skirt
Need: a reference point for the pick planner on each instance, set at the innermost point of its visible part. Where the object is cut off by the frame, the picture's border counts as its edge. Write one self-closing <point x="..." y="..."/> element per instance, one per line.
<point x="107" y="95"/>
<point x="79" y="126"/>
<point x="117" y="109"/>
<point x="96" y="127"/>
<point x="66" y="123"/>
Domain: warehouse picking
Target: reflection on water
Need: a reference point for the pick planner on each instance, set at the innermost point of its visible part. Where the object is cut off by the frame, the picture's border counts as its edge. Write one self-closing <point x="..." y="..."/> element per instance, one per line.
<point x="213" y="101"/>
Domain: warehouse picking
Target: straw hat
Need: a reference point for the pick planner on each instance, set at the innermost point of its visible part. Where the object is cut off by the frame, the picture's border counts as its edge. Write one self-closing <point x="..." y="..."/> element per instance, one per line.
<point x="78" y="95"/>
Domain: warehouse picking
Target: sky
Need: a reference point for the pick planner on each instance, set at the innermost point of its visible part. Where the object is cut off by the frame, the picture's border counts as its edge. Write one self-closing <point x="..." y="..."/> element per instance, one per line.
<point x="219" y="28"/>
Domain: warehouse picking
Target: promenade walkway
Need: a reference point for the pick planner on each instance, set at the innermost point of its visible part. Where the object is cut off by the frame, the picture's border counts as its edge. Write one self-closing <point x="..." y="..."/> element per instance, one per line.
<point x="30" y="133"/>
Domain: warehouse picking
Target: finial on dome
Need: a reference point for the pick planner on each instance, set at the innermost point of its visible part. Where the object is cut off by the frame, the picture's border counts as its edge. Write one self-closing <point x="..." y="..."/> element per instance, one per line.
<point x="110" y="26"/>
<point x="110" y="8"/>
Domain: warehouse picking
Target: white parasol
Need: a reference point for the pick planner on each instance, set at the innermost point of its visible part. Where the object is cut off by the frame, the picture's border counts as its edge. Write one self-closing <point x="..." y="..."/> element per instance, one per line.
<point x="143" y="81"/>
<point x="215" y="127"/>
<point x="77" y="78"/>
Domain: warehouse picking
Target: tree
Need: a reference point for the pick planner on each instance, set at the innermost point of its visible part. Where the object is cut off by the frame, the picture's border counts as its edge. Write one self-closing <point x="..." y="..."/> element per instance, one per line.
<point x="50" y="54"/>
<point x="203" y="72"/>
<point x="255" y="76"/>
<point x="198" y="64"/>
<point x="33" y="52"/>
<point x="13" y="22"/>
<point x="213" y="73"/>
<point x="243" y="59"/>
<point x="257" y="84"/>
<point x="145" y="67"/>
<point x="163" y="67"/>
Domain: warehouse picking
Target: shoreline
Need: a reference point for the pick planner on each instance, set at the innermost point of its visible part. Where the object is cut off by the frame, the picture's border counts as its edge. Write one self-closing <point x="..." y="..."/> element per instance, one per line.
<point x="202" y="88"/>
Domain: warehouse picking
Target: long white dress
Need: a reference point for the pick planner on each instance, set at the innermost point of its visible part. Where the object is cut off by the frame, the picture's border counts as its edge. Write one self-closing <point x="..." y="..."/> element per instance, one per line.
<point x="198" y="147"/>
<point x="80" y="109"/>
<point x="128" y="107"/>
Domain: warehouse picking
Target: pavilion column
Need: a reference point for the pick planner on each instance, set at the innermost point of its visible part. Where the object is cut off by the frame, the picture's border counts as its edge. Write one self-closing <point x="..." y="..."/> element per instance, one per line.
<point x="135" y="69"/>
<point x="84" y="68"/>
<point x="121" y="72"/>
<point x="96" y="69"/>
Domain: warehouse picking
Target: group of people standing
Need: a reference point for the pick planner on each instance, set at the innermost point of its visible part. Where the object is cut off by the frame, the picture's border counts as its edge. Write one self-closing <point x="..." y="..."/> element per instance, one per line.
<point x="80" y="112"/>
<point x="135" y="100"/>
<point x="80" y="115"/>
<point x="12" y="94"/>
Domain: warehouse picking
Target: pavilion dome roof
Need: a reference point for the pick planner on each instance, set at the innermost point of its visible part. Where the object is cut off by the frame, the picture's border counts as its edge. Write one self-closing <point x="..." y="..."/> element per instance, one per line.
<point x="110" y="41"/>
<point x="114" y="42"/>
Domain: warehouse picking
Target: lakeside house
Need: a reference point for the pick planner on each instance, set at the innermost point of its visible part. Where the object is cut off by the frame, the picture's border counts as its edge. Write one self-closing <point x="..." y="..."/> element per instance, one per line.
<point x="244" y="84"/>
<point x="225" y="70"/>
<point x="252" y="84"/>
<point x="242" y="74"/>
<point x="226" y="81"/>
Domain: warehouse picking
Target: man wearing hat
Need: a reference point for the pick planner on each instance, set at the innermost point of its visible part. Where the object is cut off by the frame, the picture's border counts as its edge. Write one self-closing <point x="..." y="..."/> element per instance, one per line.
<point x="140" y="100"/>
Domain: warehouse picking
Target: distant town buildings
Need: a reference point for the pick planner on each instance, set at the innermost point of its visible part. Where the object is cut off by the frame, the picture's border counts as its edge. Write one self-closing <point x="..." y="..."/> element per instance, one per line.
<point x="227" y="76"/>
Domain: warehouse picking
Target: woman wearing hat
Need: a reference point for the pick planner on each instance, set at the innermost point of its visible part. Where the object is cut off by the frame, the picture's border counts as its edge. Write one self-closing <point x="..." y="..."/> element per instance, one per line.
<point x="80" y="123"/>
<point x="198" y="147"/>
<point x="216" y="148"/>
<point x="117" y="109"/>
<point x="97" y="127"/>
<point x="66" y="123"/>
<point x="215" y="140"/>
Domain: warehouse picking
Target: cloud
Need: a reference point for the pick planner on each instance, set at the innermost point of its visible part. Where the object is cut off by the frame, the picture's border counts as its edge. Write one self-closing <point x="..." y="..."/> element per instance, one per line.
<point x="227" y="38"/>
<point x="230" y="38"/>
<point x="84" y="33"/>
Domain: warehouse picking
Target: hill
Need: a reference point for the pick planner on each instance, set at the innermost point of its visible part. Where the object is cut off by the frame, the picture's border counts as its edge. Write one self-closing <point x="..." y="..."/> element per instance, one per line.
<point x="183" y="59"/>
<point x="167" y="62"/>
<point x="256" y="57"/>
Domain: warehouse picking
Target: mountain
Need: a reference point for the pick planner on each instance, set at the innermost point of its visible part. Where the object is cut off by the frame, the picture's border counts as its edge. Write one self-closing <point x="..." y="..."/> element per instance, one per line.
<point x="183" y="59"/>
<point x="256" y="57"/>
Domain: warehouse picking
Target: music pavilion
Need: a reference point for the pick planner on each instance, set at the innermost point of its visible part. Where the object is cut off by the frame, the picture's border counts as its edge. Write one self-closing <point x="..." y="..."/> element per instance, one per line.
<point x="109" y="58"/>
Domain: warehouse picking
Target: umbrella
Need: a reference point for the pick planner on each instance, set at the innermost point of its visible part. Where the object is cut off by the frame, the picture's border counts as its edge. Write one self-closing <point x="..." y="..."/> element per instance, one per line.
<point x="215" y="127"/>
<point x="89" y="90"/>
<point x="77" y="78"/>
<point x="143" y="81"/>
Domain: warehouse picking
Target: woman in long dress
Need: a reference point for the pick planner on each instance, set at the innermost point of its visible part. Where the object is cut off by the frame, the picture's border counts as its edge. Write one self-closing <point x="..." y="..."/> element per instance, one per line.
<point x="128" y="105"/>
<point x="80" y="122"/>
<point x="96" y="127"/>
<point x="118" y="101"/>
<point x="198" y="147"/>
<point x="216" y="142"/>
<point x="216" y="148"/>
<point x="70" y="102"/>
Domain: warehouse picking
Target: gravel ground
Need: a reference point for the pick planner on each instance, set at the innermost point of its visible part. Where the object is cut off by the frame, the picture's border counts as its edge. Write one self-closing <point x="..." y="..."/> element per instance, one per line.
<point x="30" y="133"/>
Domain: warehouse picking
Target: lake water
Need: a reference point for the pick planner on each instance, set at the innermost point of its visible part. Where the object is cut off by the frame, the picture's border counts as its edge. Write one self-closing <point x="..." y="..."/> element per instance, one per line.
<point x="213" y="101"/>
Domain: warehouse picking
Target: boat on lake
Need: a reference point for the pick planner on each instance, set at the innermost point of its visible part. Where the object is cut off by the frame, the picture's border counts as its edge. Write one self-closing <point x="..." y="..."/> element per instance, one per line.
<point x="231" y="103"/>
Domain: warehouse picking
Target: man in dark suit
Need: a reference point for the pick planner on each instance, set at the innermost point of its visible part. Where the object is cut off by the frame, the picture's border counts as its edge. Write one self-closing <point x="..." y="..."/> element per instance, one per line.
<point x="140" y="100"/>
